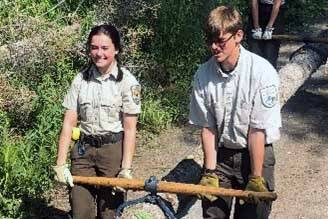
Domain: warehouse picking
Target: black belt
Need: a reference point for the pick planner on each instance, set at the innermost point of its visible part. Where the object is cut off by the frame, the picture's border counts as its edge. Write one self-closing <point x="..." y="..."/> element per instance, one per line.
<point x="99" y="140"/>
<point x="241" y="149"/>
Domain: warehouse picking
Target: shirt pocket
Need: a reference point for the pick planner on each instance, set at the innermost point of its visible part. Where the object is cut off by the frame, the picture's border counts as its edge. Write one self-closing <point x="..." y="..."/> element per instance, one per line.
<point x="243" y="113"/>
<point x="110" y="110"/>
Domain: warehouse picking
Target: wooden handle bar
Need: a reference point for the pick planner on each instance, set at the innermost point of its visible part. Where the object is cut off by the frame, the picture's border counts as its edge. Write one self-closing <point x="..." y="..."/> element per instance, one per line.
<point x="172" y="187"/>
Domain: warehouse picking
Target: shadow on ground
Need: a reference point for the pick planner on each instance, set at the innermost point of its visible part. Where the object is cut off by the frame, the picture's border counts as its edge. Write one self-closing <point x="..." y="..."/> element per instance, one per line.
<point x="307" y="112"/>
<point x="37" y="208"/>
<point x="186" y="171"/>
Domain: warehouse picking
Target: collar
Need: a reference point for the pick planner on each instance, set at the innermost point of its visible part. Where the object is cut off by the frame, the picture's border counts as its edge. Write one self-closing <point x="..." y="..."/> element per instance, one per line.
<point x="235" y="71"/>
<point x="111" y="74"/>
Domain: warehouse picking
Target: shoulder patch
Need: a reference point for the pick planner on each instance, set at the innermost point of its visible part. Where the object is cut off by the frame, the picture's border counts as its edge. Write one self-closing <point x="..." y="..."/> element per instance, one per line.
<point x="269" y="96"/>
<point x="136" y="93"/>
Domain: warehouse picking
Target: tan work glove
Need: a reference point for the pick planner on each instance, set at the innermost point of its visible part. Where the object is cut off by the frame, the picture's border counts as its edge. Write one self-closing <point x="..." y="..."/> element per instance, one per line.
<point x="211" y="180"/>
<point x="255" y="184"/>
<point x="124" y="173"/>
<point x="63" y="175"/>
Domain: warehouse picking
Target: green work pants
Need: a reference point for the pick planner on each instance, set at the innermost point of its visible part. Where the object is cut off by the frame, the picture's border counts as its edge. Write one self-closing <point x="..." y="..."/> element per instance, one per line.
<point x="104" y="161"/>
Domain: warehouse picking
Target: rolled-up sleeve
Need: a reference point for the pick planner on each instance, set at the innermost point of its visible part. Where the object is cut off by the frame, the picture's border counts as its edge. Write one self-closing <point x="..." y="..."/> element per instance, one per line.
<point x="131" y="95"/>
<point x="199" y="112"/>
<point x="266" y="107"/>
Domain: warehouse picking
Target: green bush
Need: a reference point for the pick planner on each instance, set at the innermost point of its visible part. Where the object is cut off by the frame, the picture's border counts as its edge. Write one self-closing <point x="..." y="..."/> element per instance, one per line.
<point x="155" y="116"/>
<point x="301" y="13"/>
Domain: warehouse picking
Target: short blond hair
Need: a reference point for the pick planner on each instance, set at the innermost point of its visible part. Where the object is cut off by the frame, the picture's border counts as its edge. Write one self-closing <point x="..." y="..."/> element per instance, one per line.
<point x="223" y="19"/>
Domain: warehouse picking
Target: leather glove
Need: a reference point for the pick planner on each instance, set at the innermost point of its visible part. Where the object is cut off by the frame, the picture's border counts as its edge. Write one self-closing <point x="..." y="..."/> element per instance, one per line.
<point x="255" y="184"/>
<point x="257" y="33"/>
<point x="211" y="180"/>
<point x="63" y="175"/>
<point x="124" y="173"/>
<point x="267" y="35"/>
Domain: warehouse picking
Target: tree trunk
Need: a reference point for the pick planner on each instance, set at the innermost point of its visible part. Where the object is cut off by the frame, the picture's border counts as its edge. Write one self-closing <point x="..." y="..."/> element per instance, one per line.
<point x="303" y="62"/>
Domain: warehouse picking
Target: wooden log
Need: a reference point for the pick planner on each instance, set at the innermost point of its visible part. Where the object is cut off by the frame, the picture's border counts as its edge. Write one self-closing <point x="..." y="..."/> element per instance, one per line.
<point x="172" y="187"/>
<point x="303" y="63"/>
<point x="306" y="39"/>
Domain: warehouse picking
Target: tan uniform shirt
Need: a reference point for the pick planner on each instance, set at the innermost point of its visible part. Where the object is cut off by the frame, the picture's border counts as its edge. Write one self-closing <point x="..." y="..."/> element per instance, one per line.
<point x="101" y="101"/>
<point x="231" y="103"/>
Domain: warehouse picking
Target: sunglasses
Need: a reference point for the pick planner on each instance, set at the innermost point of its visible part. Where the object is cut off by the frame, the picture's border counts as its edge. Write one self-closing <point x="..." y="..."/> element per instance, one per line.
<point x="217" y="41"/>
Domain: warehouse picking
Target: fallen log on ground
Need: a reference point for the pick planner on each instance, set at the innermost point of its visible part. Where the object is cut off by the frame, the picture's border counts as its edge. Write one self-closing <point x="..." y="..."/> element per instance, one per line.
<point x="306" y="39"/>
<point x="303" y="63"/>
<point x="172" y="187"/>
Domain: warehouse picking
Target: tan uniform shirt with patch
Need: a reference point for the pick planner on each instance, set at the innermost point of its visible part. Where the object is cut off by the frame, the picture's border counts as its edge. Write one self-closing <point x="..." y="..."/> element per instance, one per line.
<point x="231" y="103"/>
<point x="100" y="102"/>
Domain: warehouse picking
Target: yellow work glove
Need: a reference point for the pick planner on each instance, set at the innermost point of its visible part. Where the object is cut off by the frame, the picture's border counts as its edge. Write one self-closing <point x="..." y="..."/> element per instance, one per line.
<point x="63" y="175"/>
<point x="126" y="174"/>
<point x="255" y="184"/>
<point x="76" y="133"/>
<point x="211" y="180"/>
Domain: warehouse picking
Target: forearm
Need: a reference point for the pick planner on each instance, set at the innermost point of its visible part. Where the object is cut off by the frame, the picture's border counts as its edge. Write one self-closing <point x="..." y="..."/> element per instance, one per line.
<point x="274" y="13"/>
<point x="208" y="136"/>
<point x="70" y="120"/>
<point x="256" y="141"/>
<point x="129" y="141"/>
<point x="255" y="13"/>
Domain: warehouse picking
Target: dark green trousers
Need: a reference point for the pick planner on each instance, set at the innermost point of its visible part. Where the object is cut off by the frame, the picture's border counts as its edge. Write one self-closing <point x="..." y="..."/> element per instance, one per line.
<point x="233" y="169"/>
<point x="89" y="201"/>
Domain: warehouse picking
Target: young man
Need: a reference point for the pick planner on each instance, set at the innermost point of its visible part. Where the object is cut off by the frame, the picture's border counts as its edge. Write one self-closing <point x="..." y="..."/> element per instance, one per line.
<point x="235" y="102"/>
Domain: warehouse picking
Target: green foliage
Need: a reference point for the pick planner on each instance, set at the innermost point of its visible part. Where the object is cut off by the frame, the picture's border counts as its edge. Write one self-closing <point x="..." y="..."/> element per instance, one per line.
<point x="178" y="44"/>
<point x="143" y="215"/>
<point x="155" y="116"/>
<point x="300" y="13"/>
<point x="24" y="161"/>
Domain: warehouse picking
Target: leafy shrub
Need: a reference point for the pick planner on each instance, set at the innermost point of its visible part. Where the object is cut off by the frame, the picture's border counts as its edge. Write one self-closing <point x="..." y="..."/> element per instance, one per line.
<point x="154" y="117"/>
<point x="301" y="13"/>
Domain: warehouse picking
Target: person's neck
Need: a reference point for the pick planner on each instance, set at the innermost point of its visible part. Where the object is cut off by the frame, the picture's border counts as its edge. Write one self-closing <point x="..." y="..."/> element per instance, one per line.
<point x="106" y="71"/>
<point x="230" y="64"/>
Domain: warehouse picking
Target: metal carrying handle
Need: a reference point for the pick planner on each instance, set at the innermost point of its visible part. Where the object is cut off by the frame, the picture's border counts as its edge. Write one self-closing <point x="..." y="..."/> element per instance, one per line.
<point x="152" y="198"/>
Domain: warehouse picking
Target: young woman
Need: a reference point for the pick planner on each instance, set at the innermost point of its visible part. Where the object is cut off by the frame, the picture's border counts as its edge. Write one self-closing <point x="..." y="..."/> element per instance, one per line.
<point x="104" y="102"/>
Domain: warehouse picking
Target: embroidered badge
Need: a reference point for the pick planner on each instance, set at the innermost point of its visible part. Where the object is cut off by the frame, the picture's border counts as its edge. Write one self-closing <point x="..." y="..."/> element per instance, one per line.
<point x="269" y="96"/>
<point x="136" y="93"/>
